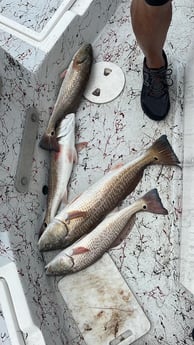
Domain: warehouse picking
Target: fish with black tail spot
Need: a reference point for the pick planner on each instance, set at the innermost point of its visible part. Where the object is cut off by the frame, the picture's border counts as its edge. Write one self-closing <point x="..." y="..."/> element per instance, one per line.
<point x="61" y="165"/>
<point x="90" y="248"/>
<point x="70" y="94"/>
<point x="87" y="210"/>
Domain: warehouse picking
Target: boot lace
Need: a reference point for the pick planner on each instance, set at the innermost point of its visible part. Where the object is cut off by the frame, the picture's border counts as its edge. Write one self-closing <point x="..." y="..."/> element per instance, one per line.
<point x="158" y="81"/>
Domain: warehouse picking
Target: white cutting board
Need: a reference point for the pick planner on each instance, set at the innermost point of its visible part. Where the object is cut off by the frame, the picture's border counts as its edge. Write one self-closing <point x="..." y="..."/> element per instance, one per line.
<point x="102" y="305"/>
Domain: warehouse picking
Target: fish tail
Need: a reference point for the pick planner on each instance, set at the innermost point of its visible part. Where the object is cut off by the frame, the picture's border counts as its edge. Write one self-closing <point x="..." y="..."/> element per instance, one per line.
<point x="152" y="203"/>
<point x="49" y="142"/>
<point x="162" y="152"/>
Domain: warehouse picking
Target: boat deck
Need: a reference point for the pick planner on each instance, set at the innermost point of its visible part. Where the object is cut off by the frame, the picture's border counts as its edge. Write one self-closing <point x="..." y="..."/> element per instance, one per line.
<point x="149" y="259"/>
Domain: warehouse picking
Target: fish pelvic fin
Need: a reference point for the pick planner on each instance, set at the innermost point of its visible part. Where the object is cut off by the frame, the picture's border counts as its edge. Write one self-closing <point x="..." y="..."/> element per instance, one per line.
<point x="163" y="153"/>
<point x="152" y="203"/>
<point x="49" y="142"/>
<point x="117" y="166"/>
<point x="82" y="145"/>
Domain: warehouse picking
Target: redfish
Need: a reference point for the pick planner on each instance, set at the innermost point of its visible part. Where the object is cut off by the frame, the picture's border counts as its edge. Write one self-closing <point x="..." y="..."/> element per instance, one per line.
<point x="90" y="248"/>
<point x="70" y="94"/>
<point x="84" y="213"/>
<point x="61" y="165"/>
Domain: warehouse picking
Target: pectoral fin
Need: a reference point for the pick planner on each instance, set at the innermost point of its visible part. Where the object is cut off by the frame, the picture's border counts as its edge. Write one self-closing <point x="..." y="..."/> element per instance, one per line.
<point x="125" y="232"/>
<point x="75" y="214"/>
<point x="80" y="250"/>
<point x="117" y="166"/>
<point x="78" y="148"/>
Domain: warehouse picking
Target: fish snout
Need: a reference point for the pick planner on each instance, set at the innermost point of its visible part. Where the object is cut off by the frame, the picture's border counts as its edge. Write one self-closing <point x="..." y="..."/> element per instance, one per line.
<point x="61" y="265"/>
<point x="88" y="48"/>
<point x="85" y="54"/>
<point x="53" y="237"/>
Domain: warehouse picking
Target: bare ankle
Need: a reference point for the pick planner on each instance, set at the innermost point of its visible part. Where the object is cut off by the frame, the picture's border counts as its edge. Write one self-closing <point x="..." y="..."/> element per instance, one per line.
<point x="155" y="61"/>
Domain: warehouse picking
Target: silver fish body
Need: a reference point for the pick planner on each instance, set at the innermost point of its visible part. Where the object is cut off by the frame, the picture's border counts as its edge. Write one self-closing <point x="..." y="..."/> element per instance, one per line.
<point x="70" y="94"/>
<point x="61" y="165"/>
<point x="84" y="213"/>
<point x="91" y="247"/>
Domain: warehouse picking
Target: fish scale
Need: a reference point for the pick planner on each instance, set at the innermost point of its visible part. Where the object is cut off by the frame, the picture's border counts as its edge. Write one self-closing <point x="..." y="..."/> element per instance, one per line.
<point x="70" y="94"/>
<point x="85" y="212"/>
<point x="87" y="250"/>
<point x="102" y="200"/>
<point x="61" y="165"/>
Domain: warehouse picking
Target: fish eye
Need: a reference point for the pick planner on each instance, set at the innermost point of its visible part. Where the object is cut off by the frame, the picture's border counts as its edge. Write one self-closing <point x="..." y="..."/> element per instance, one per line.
<point x="144" y="207"/>
<point x="155" y="158"/>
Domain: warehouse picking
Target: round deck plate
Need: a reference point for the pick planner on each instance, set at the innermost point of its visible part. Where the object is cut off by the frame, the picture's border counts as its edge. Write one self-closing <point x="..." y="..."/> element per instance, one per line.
<point x="106" y="82"/>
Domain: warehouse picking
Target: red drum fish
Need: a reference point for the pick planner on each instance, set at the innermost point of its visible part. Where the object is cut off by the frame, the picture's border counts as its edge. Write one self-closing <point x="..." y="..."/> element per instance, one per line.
<point x="91" y="247"/>
<point x="70" y="94"/>
<point x="61" y="166"/>
<point x="87" y="211"/>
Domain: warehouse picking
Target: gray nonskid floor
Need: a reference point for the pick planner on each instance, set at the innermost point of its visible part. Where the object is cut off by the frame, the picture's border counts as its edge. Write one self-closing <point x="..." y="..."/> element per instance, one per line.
<point x="118" y="131"/>
<point x="115" y="132"/>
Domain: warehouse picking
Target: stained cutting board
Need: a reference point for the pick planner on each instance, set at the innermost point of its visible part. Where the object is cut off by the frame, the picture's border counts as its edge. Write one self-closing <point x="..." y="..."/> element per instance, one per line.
<point x="102" y="305"/>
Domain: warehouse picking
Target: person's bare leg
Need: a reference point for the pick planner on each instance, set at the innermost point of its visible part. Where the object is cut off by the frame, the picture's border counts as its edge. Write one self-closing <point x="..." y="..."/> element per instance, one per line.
<point x="150" y="26"/>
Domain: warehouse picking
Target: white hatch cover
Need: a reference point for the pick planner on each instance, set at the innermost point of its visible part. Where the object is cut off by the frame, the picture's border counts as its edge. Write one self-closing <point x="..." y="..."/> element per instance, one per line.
<point x="106" y="82"/>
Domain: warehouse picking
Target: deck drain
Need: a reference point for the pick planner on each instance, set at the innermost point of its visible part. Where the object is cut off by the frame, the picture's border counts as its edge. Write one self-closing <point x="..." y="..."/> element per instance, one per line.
<point x="106" y="82"/>
<point x="107" y="71"/>
<point x="96" y="92"/>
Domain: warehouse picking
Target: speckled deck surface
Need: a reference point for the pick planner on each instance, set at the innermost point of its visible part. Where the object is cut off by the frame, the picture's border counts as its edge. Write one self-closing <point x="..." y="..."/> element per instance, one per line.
<point x="33" y="14"/>
<point x="116" y="132"/>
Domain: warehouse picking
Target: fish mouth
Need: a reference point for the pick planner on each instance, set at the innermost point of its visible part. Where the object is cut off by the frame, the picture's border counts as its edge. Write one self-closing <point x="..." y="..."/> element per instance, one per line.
<point x="51" y="272"/>
<point x="42" y="246"/>
<point x="58" y="266"/>
<point x="53" y="237"/>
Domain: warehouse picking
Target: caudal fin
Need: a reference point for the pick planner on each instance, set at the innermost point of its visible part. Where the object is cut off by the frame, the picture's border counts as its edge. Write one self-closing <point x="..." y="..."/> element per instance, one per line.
<point x="49" y="142"/>
<point x="152" y="203"/>
<point x="163" y="152"/>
